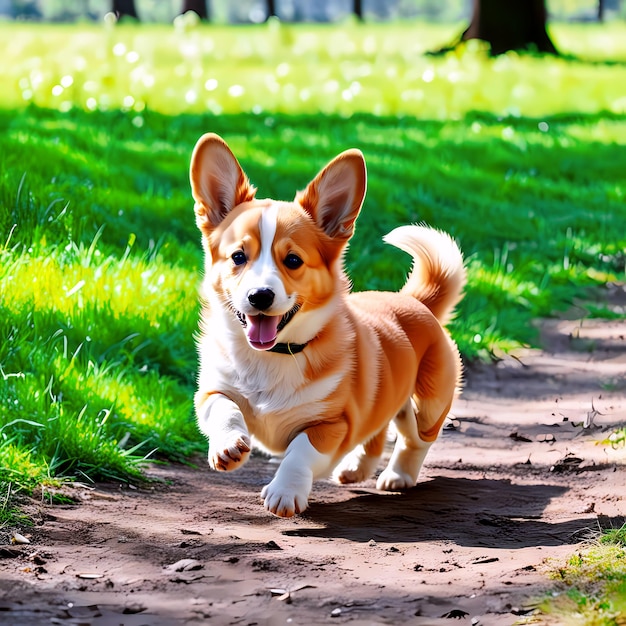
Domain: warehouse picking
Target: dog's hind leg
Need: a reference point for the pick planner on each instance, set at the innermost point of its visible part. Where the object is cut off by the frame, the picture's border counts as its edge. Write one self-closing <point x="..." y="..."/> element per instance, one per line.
<point x="361" y="463"/>
<point x="418" y="424"/>
<point x="408" y="454"/>
<point x="421" y="418"/>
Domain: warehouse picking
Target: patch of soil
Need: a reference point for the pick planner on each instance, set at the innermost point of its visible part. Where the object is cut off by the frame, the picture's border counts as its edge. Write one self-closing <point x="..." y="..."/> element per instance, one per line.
<point x="516" y="478"/>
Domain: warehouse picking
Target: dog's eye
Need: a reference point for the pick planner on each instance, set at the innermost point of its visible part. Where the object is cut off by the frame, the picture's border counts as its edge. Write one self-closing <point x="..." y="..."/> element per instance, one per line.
<point x="239" y="257"/>
<point x="293" y="261"/>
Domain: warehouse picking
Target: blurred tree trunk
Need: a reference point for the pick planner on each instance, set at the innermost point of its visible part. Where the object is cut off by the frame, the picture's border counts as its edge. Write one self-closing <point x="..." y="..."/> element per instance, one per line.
<point x="271" y="9"/>
<point x="200" y="7"/>
<point x="600" y="10"/>
<point x="124" y="8"/>
<point x="510" y="25"/>
<point x="358" y="9"/>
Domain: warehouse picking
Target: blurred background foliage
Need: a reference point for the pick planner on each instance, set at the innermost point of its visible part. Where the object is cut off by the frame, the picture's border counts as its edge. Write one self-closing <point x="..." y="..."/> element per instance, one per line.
<point x="255" y="11"/>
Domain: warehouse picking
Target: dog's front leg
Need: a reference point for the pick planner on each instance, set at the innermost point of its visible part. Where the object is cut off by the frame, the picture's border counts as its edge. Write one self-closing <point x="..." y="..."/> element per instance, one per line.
<point x="288" y="493"/>
<point x="221" y="420"/>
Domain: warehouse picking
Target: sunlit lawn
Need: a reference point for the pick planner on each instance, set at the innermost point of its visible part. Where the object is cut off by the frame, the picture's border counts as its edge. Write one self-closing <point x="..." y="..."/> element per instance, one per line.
<point x="521" y="158"/>
<point x="378" y="69"/>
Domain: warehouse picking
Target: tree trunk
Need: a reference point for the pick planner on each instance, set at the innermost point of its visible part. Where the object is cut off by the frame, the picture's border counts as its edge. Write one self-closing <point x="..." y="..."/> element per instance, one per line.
<point x="510" y="25"/>
<point x="124" y="8"/>
<point x="200" y="7"/>
<point x="271" y="9"/>
<point x="358" y="9"/>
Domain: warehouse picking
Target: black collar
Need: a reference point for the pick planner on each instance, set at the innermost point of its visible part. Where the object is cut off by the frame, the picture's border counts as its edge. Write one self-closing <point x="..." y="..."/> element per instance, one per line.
<point x="288" y="348"/>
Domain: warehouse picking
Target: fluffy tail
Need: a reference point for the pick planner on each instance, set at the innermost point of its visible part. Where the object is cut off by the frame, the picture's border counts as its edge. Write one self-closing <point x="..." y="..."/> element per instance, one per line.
<point x="438" y="275"/>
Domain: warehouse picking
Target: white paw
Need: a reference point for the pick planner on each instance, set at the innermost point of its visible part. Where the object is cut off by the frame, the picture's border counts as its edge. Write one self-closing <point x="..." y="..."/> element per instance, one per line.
<point x="353" y="470"/>
<point x="350" y="475"/>
<point x="284" y="500"/>
<point x="229" y="452"/>
<point x="355" y="467"/>
<point x="390" y="480"/>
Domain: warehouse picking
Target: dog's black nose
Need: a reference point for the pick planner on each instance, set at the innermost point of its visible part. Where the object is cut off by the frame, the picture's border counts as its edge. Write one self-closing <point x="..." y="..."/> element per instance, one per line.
<point x="261" y="299"/>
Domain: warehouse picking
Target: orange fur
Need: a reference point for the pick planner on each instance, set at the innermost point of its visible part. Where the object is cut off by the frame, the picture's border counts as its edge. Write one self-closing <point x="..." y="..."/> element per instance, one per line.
<point x="369" y="358"/>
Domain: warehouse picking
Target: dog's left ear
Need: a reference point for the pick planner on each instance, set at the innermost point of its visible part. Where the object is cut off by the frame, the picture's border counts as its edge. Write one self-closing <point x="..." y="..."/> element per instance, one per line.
<point x="334" y="197"/>
<point x="218" y="184"/>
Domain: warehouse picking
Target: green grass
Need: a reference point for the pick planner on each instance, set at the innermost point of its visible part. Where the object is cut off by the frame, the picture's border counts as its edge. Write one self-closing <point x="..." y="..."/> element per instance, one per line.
<point x="379" y="68"/>
<point x="99" y="254"/>
<point x="591" y="586"/>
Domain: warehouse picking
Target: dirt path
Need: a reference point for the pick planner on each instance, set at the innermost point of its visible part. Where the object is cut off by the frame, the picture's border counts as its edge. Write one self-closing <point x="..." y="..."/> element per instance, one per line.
<point x="514" y="480"/>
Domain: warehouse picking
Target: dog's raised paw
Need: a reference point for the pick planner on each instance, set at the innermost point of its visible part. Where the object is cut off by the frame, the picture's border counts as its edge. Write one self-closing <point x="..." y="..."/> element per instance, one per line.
<point x="390" y="480"/>
<point x="229" y="454"/>
<point x="347" y="476"/>
<point x="283" y="502"/>
<point x="355" y="469"/>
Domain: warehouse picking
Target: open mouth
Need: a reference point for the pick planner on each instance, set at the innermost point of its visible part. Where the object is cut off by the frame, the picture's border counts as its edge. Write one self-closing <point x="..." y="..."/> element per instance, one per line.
<point x="262" y="330"/>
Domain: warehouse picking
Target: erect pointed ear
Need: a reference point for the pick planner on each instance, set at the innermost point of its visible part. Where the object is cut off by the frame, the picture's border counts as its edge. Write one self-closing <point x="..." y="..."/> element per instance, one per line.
<point x="218" y="184"/>
<point x="334" y="197"/>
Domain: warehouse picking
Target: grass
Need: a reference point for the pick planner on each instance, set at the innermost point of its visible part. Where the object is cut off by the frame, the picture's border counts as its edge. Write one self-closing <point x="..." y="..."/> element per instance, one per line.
<point x="99" y="254"/>
<point x="298" y="69"/>
<point x="617" y="438"/>
<point x="591" y="586"/>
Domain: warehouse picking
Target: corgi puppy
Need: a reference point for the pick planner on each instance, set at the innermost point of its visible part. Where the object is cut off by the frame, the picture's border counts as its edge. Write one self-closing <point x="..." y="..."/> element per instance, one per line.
<point x="291" y="358"/>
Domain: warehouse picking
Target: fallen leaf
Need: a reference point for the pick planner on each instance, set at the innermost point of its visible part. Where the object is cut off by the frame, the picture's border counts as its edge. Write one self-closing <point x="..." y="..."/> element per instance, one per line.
<point x="455" y="614"/>
<point x="83" y="612"/>
<point x="284" y="593"/>
<point x="185" y="565"/>
<point x="522" y="611"/>
<point x="569" y="463"/>
<point x="491" y="559"/>
<point x="186" y="579"/>
<point x="517" y="437"/>
<point x="19" y="539"/>
<point x="277" y="591"/>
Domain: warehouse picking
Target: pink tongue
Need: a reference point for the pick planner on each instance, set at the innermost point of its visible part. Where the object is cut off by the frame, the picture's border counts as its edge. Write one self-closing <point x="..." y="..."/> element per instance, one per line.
<point x="262" y="329"/>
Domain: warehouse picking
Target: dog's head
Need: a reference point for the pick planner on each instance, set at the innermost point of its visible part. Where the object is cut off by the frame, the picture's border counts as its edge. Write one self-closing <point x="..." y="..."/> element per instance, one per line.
<point x="275" y="265"/>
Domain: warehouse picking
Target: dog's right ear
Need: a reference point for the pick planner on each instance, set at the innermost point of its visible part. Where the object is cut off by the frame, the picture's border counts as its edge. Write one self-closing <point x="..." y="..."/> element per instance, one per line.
<point x="218" y="184"/>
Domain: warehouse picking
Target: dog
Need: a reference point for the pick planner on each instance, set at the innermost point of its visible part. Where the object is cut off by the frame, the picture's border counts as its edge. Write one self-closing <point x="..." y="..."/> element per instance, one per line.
<point x="289" y="357"/>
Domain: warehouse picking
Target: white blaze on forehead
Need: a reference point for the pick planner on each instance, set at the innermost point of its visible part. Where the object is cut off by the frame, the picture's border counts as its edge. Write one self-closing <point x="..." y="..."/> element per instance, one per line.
<point x="263" y="271"/>
<point x="267" y="229"/>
